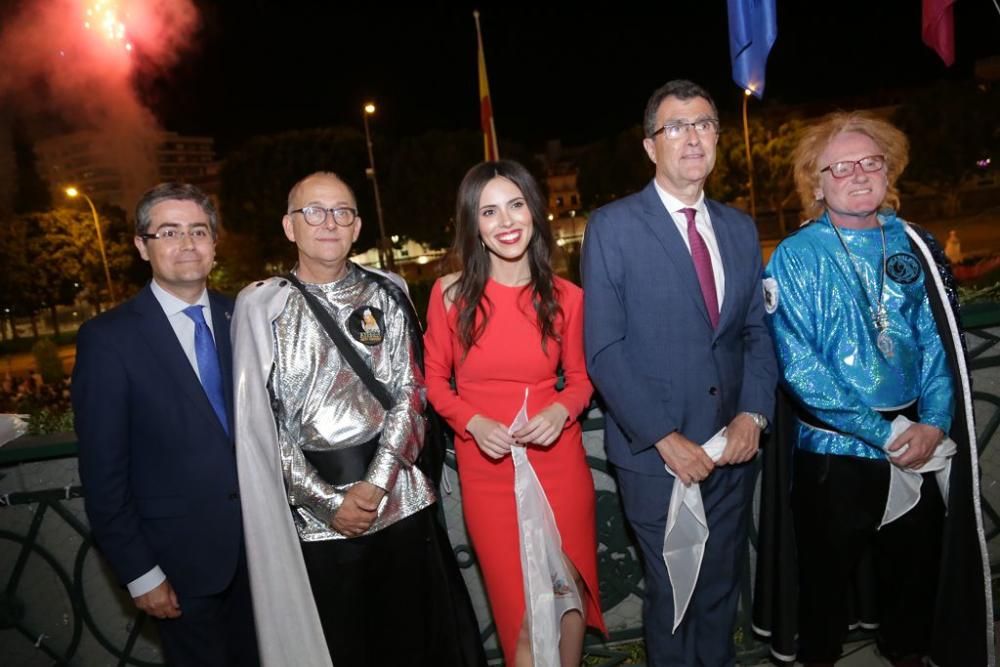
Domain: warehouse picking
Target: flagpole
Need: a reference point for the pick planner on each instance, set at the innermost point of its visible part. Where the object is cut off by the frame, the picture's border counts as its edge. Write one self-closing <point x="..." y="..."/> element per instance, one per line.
<point x="753" y="29"/>
<point x="746" y="140"/>
<point x="490" y="148"/>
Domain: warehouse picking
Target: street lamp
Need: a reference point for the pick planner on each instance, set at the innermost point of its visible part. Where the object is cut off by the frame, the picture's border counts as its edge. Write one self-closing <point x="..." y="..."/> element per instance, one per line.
<point x="384" y="249"/>
<point x="72" y="193"/>
<point x="746" y="139"/>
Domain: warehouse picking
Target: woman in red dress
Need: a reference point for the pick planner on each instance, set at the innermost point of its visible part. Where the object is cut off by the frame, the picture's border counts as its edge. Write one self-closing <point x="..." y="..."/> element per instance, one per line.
<point x="503" y="324"/>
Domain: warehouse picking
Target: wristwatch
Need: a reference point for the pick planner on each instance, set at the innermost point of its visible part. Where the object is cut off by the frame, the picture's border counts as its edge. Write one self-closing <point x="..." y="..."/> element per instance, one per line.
<point x="758" y="419"/>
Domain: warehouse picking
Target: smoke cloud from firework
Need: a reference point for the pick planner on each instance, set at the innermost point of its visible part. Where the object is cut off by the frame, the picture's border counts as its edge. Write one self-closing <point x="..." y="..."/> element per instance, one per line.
<point x="79" y="59"/>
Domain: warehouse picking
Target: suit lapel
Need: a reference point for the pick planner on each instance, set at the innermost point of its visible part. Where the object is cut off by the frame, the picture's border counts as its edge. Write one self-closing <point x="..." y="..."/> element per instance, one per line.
<point x="662" y="226"/>
<point x="727" y="250"/>
<point x="166" y="349"/>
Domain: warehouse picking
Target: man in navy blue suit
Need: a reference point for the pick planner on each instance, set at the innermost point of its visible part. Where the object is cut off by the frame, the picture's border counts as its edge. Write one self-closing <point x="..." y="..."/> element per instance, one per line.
<point x="152" y="398"/>
<point x="677" y="346"/>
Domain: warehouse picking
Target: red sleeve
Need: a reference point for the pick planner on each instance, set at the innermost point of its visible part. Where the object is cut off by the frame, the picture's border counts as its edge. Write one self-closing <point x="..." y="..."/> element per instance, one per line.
<point x="439" y="363"/>
<point x="576" y="394"/>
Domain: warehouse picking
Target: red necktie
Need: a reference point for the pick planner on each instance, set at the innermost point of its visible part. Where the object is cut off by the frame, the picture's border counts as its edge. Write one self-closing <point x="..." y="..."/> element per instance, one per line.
<point x="703" y="267"/>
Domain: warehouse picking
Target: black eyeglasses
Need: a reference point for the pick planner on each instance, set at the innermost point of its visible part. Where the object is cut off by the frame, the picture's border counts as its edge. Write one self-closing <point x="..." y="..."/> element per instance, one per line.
<point x="845" y="168"/>
<point x="675" y="130"/>
<point x="343" y="216"/>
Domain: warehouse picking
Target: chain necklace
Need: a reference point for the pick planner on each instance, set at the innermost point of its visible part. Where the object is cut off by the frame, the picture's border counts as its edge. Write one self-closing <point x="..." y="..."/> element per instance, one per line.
<point x="879" y="314"/>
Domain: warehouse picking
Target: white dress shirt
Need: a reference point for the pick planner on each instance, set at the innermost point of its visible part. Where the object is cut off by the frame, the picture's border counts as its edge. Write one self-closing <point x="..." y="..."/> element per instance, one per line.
<point x="183" y="326"/>
<point x="703" y="223"/>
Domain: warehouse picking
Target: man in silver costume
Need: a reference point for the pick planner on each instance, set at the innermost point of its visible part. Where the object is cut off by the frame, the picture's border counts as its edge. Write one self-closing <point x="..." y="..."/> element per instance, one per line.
<point x="345" y="566"/>
<point x="865" y="324"/>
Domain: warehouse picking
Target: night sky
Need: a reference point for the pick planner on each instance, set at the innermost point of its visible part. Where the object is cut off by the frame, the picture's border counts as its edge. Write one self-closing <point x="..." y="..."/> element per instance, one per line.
<point x="262" y="66"/>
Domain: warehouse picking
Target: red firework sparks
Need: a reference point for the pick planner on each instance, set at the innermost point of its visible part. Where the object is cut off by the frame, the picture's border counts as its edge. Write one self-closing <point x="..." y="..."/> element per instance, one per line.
<point x="104" y="18"/>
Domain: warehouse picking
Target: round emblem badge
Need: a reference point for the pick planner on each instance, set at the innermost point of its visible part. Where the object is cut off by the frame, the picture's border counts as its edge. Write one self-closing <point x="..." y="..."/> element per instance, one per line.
<point x="367" y="325"/>
<point x="770" y="295"/>
<point x="903" y="268"/>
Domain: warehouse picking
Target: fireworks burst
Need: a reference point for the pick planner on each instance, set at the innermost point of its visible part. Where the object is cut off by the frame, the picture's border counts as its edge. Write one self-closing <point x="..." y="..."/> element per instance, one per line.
<point x="103" y="17"/>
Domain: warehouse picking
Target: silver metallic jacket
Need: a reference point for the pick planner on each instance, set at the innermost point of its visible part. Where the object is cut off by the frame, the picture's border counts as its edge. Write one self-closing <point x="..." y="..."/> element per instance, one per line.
<point x="321" y="404"/>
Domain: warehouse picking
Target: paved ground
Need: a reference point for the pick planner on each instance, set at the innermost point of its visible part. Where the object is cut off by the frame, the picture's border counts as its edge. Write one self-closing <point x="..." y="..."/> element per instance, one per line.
<point x="859" y="654"/>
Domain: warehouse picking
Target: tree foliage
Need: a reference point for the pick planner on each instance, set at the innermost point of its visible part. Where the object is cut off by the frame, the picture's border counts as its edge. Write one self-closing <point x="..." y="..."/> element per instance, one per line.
<point x="613" y="168"/>
<point x="424" y="175"/>
<point x="66" y="250"/>
<point x="771" y="146"/>
<point x="52" y="256"/>
<point x="951" y="126"/>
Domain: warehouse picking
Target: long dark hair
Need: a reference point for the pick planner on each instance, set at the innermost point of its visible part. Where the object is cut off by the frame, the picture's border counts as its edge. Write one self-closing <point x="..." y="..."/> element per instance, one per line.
<point x="468" y="292"/>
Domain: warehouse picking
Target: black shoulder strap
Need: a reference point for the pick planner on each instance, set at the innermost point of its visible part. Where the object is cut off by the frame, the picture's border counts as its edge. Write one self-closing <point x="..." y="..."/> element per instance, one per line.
<point x="347" y="351"/>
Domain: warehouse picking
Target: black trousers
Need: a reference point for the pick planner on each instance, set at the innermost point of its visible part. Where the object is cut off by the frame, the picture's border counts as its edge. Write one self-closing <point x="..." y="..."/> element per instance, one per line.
<point x="374" y="595"/>
<point x="844" y="559"/>
<point x="213" y="630"/>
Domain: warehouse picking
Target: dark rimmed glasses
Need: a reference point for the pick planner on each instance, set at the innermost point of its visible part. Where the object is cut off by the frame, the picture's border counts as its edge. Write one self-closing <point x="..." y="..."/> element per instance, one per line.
<point x="343" y="216"/>
<point x="869" y="164"/>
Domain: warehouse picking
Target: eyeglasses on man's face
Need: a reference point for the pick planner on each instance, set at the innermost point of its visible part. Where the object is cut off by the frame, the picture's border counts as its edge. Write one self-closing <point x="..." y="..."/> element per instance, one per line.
<point x="343" y="216"/>
<point x="174" y="234"/>
<point x="675" y="130"/>
<point x="845" y="168"/>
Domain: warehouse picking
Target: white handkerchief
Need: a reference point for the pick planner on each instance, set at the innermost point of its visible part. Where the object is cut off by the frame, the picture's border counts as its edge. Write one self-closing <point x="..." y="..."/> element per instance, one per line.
<point x="904" y="483"/>
<point x="549" y="591"/>
<point x="687" y="533"/>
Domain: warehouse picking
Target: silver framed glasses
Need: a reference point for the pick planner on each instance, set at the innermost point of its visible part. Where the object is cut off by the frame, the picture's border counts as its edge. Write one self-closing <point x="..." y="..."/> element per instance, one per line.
<point x="675" y="130"/>
<point x="343" y="216"/>
<point x="174" y="234"/>
<point x="869" y="164"/>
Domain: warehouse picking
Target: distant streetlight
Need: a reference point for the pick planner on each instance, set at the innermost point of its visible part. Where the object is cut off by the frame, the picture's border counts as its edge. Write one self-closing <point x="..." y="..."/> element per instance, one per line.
<point x="384" y="248"/>
<point x="72" y="193"/>
<point x="746" y="139"/>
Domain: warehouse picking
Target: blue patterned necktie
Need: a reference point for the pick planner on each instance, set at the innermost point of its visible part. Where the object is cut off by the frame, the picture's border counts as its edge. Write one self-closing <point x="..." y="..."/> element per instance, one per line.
<point x="208" y="363"/>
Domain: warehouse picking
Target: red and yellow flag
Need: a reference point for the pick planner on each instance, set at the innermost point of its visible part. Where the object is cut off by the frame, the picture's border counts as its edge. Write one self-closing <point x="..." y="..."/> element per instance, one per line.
<point x="485" y="108"/>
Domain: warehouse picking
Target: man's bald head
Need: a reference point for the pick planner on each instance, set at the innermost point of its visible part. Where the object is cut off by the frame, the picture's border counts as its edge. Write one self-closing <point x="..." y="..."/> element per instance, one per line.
<point x="295" y="193"/>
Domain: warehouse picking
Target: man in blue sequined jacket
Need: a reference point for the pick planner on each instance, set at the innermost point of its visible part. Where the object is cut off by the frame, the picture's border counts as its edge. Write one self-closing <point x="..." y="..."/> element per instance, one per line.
<point x="861" y="309"/>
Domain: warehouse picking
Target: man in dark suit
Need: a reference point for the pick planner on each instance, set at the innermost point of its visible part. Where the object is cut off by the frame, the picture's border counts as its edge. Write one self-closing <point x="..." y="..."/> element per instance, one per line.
<point x="152" y="398"/>
<point x="677" y="346"/>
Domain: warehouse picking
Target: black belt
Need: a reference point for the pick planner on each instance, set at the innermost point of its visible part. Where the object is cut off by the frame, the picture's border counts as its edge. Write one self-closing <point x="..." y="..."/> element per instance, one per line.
<point x="910" y="412"/>
<point x="345" y="465"/>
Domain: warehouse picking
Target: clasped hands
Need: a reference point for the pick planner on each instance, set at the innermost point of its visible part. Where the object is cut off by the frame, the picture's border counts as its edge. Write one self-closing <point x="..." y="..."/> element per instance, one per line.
<point x="691" y="464"/>
<point x="359" y="509"/>
<point x="543" y="429"/>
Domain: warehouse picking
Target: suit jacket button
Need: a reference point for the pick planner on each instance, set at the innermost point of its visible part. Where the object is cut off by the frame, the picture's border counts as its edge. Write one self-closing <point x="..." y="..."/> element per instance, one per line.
<point x="712" y="391"/>
<point x="234" y="496"/>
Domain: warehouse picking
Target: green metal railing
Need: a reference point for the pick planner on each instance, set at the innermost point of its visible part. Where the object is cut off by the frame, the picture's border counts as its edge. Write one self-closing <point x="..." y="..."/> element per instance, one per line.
<point x="620" y="572"/>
